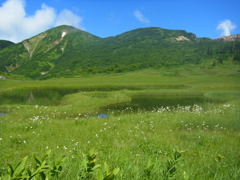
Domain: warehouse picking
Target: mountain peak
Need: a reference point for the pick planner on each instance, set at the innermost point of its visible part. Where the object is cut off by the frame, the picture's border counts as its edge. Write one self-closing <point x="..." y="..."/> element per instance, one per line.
<point x="158" y="33"/>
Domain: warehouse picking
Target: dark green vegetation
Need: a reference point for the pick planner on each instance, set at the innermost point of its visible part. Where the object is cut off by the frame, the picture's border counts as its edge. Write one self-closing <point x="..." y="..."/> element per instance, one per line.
<point x="188" y="127"/>
<point x="5" y="44"/>
<point x="69" y="52"/>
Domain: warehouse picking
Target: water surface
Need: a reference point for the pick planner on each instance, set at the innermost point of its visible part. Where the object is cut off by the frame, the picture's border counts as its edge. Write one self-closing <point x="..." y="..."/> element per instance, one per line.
<point x="53" y="95"/>
<point x="153" y="102"/>
<point x="48" y="96"/>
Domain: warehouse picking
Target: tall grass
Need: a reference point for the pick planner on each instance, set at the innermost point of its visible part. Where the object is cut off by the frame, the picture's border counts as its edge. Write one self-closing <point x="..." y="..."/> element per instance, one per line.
<point x="143" y="144"/>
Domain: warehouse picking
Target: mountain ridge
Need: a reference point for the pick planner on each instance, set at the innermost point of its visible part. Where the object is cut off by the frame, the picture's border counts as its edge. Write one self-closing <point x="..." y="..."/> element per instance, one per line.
<point x="72" y="29"/>
<point x="5" y="44"/>
<point x="233" y="37"/>
<point x="67" y="51"/>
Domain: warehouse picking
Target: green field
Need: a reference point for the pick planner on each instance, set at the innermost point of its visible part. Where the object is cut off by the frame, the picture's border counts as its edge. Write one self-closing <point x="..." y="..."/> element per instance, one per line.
<point x="198" y="120"/>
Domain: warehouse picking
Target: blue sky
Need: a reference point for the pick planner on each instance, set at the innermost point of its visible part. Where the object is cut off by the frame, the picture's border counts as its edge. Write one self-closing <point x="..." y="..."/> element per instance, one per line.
<point x="103" y="18"/>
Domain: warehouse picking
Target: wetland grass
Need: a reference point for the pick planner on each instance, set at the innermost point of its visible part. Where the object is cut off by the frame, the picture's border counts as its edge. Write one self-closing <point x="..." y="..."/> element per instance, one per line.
<point x="198" y="139"/>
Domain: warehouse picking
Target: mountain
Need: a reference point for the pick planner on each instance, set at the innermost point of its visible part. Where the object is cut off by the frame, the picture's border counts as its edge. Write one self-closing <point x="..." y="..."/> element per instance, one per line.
<point x="36" y="56"/>
<point x="67" y="51"/>
<point x="4" y="44"/>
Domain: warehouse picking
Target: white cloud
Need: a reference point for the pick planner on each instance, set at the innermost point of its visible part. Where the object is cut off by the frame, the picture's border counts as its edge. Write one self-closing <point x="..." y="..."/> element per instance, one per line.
<point x="40" y="21"/>
<point x="140" y="17"/>
<point x="16" y="25"/>
<point x="67" y="17"/>
<point x="226" y="27"/>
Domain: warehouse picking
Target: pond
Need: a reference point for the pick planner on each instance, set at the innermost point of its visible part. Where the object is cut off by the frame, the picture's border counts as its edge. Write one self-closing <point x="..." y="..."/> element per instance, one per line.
<point x="102" y="116"/>
<point x="40" y="96"/>
<point x="153" y="102"/>
<point x="48" y="96"/>
<point x="53" y="96"/>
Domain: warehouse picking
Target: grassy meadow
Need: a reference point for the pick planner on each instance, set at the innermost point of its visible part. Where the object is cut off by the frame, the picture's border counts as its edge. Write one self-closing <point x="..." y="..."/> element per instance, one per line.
<point x="196" y="141"/>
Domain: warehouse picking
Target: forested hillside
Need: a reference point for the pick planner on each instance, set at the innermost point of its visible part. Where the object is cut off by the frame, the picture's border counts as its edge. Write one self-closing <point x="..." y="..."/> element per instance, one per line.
<point x="4" y="44"/>
<point x="67" y="51"/>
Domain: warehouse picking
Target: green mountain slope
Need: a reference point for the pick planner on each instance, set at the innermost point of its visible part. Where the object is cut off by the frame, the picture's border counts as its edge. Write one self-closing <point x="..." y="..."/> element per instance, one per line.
<point x="4" y="44"/>
<point x="36" y="56"/>
<point x="67" y="51"/>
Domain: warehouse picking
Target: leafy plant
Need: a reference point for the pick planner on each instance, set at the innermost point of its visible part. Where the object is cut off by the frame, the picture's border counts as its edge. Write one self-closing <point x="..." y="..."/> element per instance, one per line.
<point x="91" y="170"/>
<point x="148" y="169"/>
<point x="106" y="173"/>
<point x="44" y="169"/>
<point x="88" y="165"/>
<point x="19" y="172"/>
<point x="170" y="167"/>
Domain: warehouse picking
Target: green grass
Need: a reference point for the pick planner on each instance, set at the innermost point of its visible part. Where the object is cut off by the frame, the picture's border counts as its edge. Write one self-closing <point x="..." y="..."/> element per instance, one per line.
<point x="207" y="137"/>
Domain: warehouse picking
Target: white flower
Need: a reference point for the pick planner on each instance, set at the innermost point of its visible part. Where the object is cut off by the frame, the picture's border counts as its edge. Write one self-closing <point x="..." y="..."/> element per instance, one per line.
<point x="226" y="105"/>
<point x="0" y="139"/>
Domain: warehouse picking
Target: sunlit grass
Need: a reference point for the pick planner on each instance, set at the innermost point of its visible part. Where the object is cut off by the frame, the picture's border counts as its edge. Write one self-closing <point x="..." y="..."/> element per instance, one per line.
<point x="207" y="135"/>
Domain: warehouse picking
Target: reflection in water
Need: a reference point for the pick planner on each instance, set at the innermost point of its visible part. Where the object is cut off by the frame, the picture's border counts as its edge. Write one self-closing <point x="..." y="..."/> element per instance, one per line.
<point x="48" y="96"/>
<point x="53" y="96"/>
<point x="149" y="103"/>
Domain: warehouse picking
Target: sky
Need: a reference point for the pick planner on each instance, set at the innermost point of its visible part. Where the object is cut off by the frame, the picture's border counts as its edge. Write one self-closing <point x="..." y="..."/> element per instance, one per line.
<point x="22" y="19"/>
